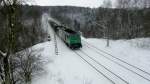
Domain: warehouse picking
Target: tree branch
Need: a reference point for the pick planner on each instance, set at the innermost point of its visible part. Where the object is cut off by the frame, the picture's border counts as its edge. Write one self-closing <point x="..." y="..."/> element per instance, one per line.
<point x="2" y="53"/>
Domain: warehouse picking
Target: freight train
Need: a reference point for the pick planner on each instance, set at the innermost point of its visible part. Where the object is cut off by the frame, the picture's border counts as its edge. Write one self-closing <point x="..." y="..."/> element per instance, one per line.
<point x="70" y="37"/>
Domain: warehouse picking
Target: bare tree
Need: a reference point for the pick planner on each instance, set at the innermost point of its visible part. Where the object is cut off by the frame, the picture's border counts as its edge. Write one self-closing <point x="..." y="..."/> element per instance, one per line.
<point x="107" y="4"/>
<point x="11" y="64"/>
<point x="146" y="3"/>
<point x="27" y="64"/>
<point x="104" y="28"/>
<point x="133" y="3"/>
<point x="10" y="10"/>
<point x="123" y="3"/>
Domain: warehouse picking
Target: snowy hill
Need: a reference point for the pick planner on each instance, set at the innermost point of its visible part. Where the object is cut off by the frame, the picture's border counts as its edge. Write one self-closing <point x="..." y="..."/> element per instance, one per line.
<point x="121" y="63"/>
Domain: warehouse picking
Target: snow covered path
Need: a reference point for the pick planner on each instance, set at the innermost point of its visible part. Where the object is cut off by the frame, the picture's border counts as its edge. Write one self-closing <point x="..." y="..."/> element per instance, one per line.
<point x="68" y="68"/>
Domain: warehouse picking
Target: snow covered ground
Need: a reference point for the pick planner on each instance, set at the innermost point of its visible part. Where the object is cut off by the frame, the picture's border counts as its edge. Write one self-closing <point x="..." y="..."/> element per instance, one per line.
<point x="68" y="68"/>
<point x="135" y="51"/>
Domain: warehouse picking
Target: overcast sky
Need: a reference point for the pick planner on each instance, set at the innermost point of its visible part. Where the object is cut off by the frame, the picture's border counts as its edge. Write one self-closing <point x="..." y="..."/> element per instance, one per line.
<point x="82" y="3"/>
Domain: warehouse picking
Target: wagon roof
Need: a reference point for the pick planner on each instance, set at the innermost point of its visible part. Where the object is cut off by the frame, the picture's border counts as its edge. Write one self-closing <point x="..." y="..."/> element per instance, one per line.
<point x="70" y="31"/>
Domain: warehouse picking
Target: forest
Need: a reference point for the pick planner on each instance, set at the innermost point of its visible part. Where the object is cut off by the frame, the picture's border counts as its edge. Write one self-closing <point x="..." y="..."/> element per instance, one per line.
<point x="21" y="28"/>
<point x="99" y="22"/>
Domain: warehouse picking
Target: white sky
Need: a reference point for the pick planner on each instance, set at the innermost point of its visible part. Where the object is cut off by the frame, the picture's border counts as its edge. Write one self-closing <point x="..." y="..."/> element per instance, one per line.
<point x="82" y="3"/>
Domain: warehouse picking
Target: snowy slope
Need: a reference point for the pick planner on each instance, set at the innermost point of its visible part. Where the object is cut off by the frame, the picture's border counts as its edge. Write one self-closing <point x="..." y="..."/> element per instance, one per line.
<point x="68" y="68"/>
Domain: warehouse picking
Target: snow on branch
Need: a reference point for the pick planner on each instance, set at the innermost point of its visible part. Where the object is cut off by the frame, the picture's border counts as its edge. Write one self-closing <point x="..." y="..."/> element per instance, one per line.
<point x="2" y="53"/>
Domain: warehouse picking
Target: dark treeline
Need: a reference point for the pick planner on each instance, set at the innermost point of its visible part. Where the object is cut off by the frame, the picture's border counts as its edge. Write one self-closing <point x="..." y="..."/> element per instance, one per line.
<point x="102" y="22"/>
<point x="28" y="30"/>
<point x="96" y="22"/>
<point x="120" y="23"/>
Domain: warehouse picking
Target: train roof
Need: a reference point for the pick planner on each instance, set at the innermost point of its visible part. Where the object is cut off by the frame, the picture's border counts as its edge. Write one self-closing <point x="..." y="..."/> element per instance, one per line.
<point x="70" y="31"/>
<point x="64" y="28"/>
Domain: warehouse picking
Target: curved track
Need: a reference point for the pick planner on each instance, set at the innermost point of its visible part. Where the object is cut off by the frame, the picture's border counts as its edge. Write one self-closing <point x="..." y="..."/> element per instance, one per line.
<point x="115" y="79"/>
<point x="101" y="53"/>
<point x="119" y="59"/>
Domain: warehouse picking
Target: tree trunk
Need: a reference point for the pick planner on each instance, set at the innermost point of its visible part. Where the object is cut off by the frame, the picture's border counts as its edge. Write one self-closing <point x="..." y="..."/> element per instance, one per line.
<point x="107" y="31"/>
<point x="7" y="69"/>
<point x="107" y="41"/>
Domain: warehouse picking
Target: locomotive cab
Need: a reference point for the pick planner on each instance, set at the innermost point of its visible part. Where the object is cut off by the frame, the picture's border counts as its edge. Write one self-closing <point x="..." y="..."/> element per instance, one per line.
<point x="73" y="39"/>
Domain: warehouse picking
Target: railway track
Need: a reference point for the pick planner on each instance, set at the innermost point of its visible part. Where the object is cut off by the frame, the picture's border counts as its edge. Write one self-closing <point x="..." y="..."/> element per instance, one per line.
<point x="101" y="69"/>
<point x="121" y="62"/>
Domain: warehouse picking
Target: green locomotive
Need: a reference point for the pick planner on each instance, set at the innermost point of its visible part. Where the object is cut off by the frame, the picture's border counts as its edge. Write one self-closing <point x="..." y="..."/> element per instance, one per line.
<point x="70" y="37"/>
